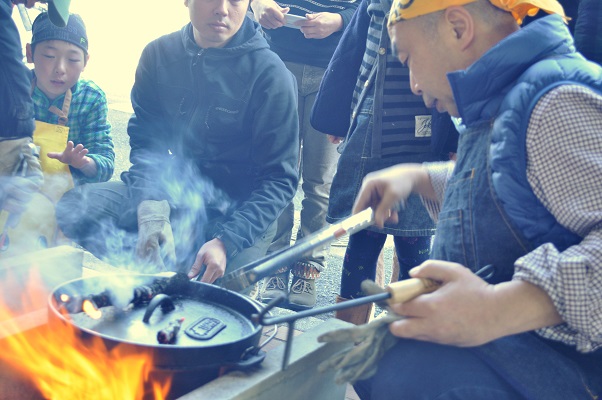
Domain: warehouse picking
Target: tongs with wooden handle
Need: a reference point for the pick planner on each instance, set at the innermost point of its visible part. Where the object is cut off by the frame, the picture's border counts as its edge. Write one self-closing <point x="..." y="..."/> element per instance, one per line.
<point x="396" y="292"/>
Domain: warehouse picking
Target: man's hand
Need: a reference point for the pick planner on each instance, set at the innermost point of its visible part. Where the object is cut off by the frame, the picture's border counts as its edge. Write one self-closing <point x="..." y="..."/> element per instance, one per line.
<point x="386" y="189"/>
<point x="467" y="311"/>
<point x="213" y="255"/>
<point x="20" y="173"/>
<point x="155" y="238"/>
<point x="75" y="156"/>
<point x="334" y="139"/>
<point x="321" y="25"/>
<point x="269" y="14"/>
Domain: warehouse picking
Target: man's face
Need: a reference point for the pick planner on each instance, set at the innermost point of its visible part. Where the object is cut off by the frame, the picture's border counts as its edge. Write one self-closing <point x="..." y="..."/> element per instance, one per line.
<point x="429" y="62"/>
<point x="215" y="22"/>
<point x="58" y="65"/>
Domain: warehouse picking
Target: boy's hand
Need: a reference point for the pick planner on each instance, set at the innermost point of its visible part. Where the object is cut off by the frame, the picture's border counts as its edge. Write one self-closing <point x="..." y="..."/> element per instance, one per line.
<point x="72" y="155"/>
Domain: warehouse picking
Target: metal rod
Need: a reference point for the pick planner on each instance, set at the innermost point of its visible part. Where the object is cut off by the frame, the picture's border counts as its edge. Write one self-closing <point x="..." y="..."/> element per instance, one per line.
<point x="326" y="309"/>
<point x="289" y="344"/>
<point x="485" y="273"/>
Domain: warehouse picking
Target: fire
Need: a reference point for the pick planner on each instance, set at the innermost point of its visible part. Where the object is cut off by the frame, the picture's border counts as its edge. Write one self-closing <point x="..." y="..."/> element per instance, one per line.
<point x="64" y="366"/>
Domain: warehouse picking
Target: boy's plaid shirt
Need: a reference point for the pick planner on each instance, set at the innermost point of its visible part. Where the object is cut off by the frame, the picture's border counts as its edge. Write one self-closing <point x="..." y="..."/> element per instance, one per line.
<point x="88" y="125"/>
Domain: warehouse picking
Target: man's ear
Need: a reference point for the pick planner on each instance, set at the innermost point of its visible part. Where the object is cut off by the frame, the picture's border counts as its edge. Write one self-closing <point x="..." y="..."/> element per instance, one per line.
<point x="29" y="53"/>
<point x="86" y="58"/>
<point x="186" y="3"/>
<point x="461" y="25"/>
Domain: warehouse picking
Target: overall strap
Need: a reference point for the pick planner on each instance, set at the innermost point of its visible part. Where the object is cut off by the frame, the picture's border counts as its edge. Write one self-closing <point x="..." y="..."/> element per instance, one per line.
<point x="64" y="113"/>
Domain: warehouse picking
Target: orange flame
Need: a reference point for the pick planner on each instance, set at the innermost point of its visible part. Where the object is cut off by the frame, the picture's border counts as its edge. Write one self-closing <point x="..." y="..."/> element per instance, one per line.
<point x="64" y="366"/>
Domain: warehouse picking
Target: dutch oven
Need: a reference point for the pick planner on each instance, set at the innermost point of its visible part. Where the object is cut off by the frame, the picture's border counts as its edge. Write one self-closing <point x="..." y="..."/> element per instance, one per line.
<point x="216" y="335"/>
<point x="221" y="328"/>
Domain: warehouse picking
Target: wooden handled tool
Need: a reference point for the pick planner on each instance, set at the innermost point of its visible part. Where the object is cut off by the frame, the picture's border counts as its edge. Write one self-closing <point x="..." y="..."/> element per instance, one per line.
<point x="402" y="291"/>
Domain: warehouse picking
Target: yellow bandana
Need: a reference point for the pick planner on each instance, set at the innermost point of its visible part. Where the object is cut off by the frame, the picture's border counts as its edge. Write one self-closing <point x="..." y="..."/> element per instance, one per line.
<point x="408" y="9"/>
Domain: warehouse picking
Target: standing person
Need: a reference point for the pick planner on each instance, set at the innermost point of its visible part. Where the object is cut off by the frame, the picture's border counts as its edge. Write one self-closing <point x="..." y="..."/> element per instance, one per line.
<point x="585" y="24"/>
<point x="588" y="29"/>
<point x="365" y="96"/>
<point x="71" y="113"/>
<point x="523" y="196"/>
<point x="20" y="171"/>
<point x="306" y="51"/>
<point x="214" y="149"/>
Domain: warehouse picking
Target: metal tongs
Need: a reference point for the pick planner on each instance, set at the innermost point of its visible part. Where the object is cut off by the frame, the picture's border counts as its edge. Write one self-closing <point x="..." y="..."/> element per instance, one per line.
<point x="396" y="292"/>
<point x="253" y="272"/>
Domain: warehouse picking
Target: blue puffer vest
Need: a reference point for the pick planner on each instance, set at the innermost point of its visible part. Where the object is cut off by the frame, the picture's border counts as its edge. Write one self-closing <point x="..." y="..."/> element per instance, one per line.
<point x="503" y="87"/>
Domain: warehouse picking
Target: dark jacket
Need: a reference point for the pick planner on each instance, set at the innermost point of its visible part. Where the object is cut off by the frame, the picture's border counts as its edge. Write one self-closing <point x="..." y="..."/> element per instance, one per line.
<point x="222" y="116"/>
<point x="16" y="107"/>
<point x="585" y="24"/>
<point x="331" y="112"/>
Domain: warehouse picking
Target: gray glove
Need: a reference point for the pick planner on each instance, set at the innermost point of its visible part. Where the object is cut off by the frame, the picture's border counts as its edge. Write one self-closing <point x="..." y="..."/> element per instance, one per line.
<point x="20" y="173"/>
<point x="155" y="245"/>
<point x="370" y="341"/>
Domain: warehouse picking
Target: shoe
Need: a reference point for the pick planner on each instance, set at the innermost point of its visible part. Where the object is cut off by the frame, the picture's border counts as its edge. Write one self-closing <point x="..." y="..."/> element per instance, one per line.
<point x="302" y="295"/>
<point x="359" y="315"/>
<point x="274" y="286"/>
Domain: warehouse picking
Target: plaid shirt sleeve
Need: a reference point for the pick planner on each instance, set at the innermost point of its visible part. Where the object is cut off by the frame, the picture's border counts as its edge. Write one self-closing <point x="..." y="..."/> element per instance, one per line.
<point x="90" y="127"/>
<point x="564" y="168"/>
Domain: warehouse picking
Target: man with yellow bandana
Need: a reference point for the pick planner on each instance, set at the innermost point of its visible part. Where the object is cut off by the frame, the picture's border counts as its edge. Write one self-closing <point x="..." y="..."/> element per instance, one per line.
<point x="523" y="196"/>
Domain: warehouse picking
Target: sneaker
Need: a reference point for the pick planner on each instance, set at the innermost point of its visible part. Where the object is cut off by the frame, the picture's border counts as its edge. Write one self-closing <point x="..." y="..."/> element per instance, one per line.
<point x="273" y="286"/>
<point x="302" y="295"/>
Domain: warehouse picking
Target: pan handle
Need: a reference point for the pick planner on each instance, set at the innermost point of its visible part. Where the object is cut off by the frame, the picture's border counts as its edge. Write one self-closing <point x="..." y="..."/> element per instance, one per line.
<point x="162" y="300"/>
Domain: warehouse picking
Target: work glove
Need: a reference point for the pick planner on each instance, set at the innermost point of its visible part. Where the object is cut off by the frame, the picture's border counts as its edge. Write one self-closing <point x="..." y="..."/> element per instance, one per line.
<point x="370" y="342"/>
<point x="155" y="245"/>
<point x="20" y="173"/>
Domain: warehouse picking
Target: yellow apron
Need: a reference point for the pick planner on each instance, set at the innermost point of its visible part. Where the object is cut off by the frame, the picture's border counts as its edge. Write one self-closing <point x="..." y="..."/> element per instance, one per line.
<point x="36" y="227"/>
<point x="53" y="138"/>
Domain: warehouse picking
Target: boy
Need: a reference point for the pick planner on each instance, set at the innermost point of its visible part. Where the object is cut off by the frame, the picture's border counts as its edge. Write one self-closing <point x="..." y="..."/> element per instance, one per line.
<point x="59" y="56"/>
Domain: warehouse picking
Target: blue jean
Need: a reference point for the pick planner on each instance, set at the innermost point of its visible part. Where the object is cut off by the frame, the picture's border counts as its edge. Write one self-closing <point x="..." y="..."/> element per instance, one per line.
<point x="420" y="371"/>
<point x="356" y="161"/>
<point x="362" y="254"/>
<point x="518" y="367"/>
<point x="318" y="160"/>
